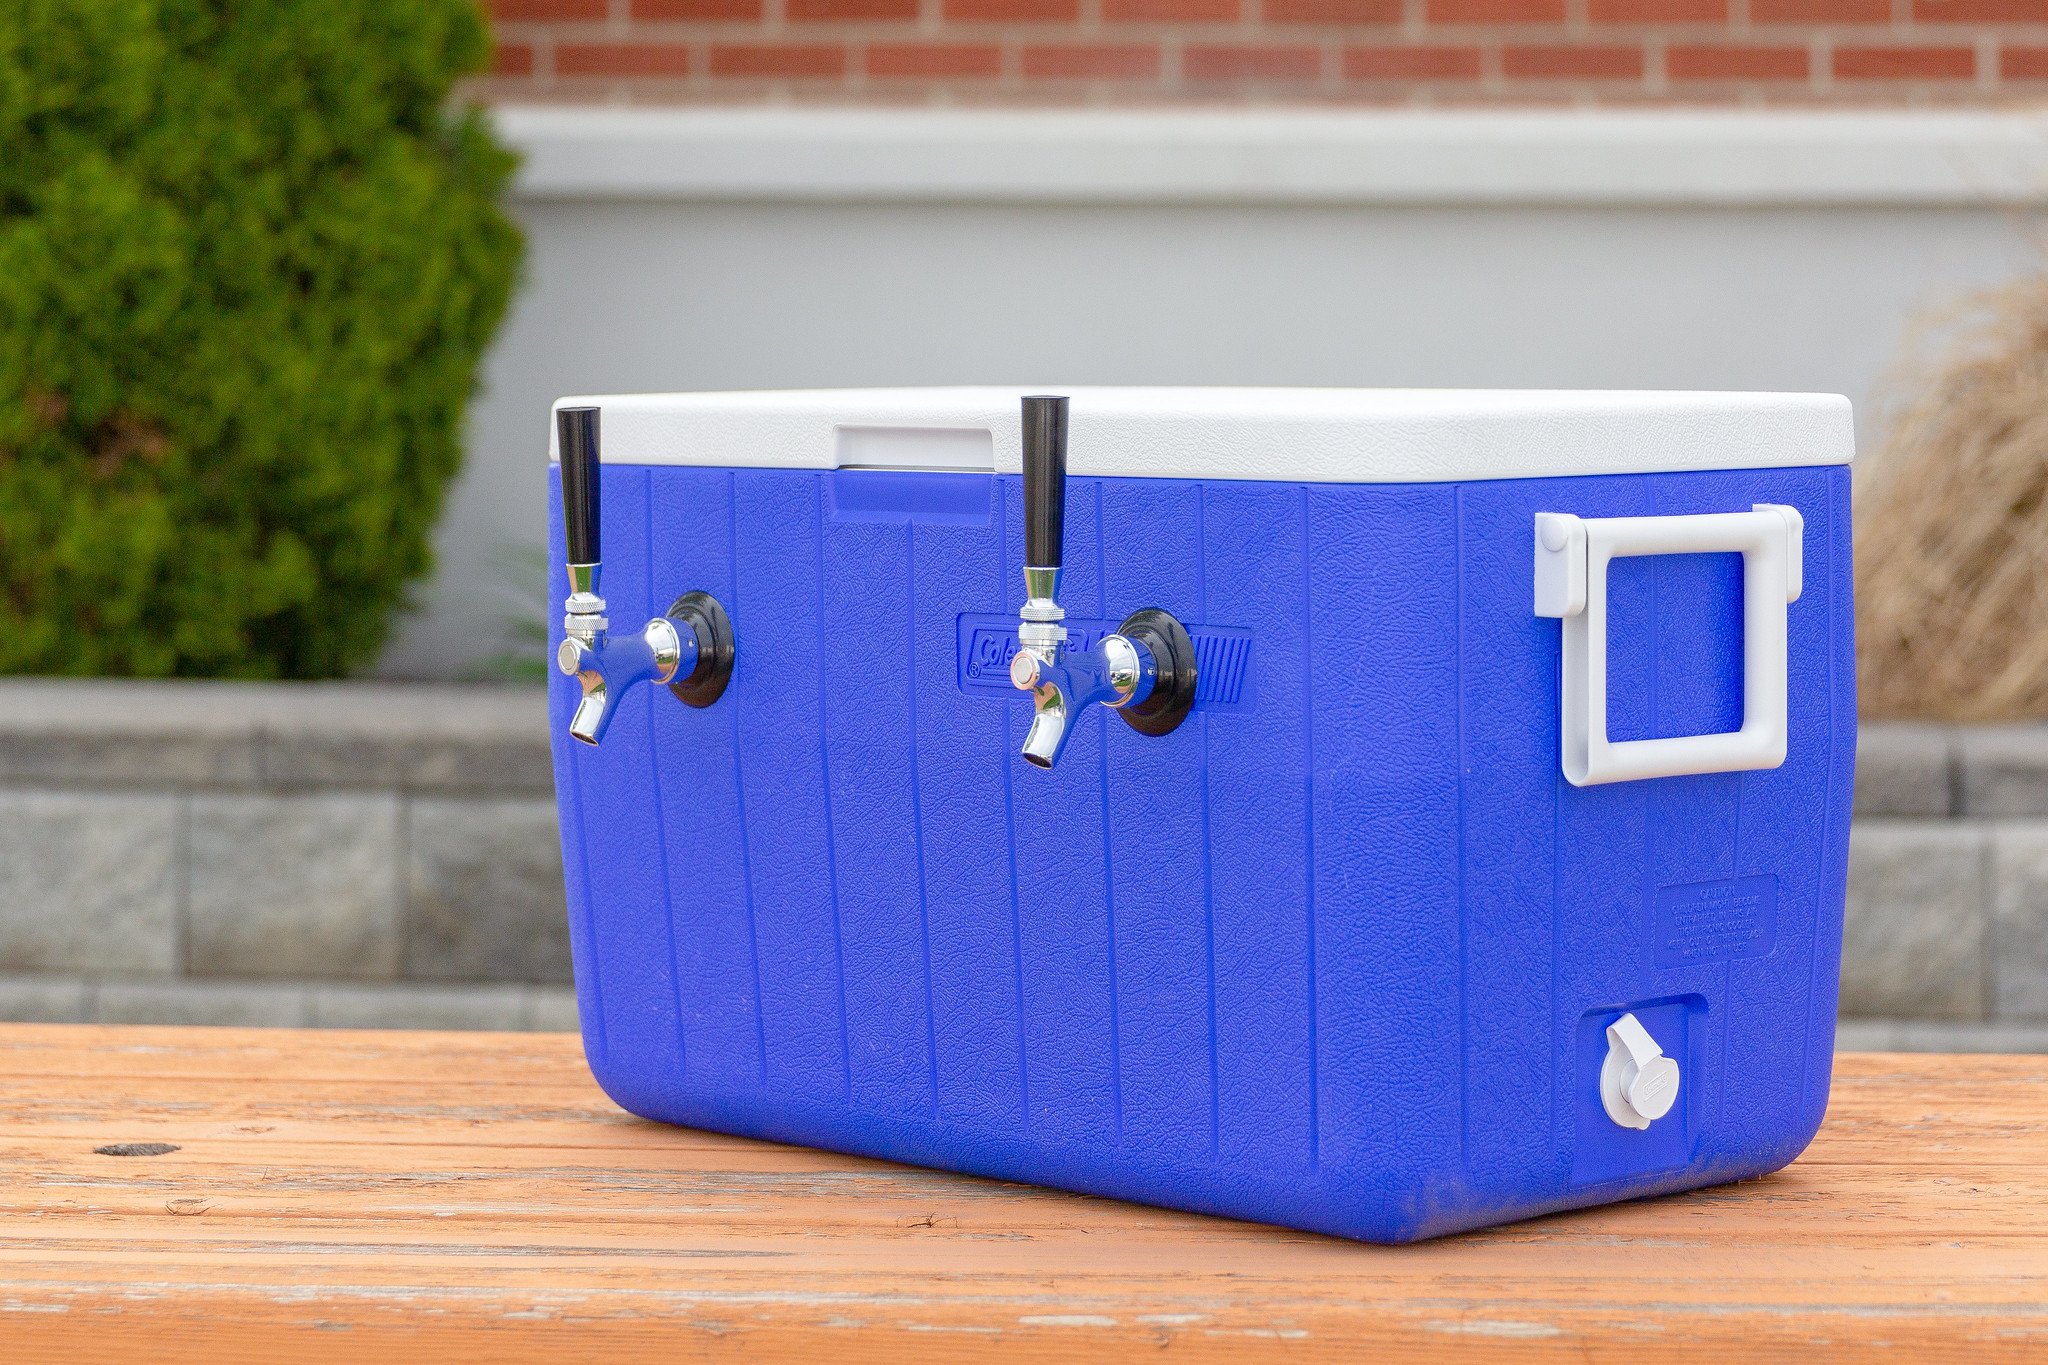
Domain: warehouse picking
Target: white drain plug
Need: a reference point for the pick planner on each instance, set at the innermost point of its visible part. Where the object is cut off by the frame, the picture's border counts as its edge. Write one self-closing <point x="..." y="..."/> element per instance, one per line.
<point x="1638" y="1083"/>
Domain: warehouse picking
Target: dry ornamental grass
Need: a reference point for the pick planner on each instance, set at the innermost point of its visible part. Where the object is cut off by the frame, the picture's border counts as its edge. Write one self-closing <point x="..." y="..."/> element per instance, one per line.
<point x="1952" y="524"/>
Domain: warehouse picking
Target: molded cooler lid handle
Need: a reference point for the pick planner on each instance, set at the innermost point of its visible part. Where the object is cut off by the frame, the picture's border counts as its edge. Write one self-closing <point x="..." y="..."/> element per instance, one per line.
<point x="1572" y="555"/>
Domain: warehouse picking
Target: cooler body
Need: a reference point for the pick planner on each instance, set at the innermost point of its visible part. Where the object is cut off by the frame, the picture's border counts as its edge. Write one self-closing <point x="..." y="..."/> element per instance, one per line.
<point x="1342" y="952"/>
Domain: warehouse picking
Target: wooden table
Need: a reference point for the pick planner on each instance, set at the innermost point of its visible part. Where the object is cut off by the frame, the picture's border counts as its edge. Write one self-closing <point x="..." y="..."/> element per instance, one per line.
<point x="473" y="1196"/>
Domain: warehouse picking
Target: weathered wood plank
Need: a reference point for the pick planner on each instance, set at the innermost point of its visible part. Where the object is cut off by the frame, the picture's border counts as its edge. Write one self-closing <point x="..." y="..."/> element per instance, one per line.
<point x="464" y="1197"/>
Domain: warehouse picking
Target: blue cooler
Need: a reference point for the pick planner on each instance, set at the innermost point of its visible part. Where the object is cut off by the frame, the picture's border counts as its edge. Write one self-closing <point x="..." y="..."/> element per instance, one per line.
<point x="1376" y="812"/>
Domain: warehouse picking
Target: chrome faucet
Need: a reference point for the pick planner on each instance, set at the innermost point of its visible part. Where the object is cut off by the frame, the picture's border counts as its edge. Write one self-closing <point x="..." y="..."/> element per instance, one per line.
<point x="1145" y="670"/>
<point x="690" y="649"/>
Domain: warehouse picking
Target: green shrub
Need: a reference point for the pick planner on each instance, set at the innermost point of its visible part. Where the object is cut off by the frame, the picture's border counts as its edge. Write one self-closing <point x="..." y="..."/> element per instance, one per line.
<point x="249" y="260"/>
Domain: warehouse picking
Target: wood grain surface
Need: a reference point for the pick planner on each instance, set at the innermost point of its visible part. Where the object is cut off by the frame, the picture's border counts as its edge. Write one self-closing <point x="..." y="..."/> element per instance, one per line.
<point x="474" y="1197"/>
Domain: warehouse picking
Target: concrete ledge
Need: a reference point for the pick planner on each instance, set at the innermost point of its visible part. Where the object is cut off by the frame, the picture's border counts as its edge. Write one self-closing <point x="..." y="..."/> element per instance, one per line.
<point x="1286" y="156"/>
<point x="1921" y="1035"/>
<point x="69" y="999"/>
<point x="1993" y="772"/>
<point x="127" y="733"/>
<point x="1907" y="770"/>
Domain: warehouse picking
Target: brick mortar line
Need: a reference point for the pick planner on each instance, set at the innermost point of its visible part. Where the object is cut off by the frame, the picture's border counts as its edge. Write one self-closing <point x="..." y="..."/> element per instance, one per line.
<point x="1901" y="18"/>
<point x="1823" y="81"/>
<point x="1414" y="14"/>
<point x="1063" y="93"/>
<point x="1655" y="79"/>
<point x="1984" y="77"/>
<point x="1414" y="19"/>
<point x="1411" y="24"/>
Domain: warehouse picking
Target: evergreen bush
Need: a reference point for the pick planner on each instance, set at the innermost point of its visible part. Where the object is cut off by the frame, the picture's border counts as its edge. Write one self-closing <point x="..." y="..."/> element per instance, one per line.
<point x="250" y="257"/>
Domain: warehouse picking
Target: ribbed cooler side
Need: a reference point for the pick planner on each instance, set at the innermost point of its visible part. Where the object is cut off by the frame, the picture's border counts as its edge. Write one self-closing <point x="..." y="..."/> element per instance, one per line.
<point x="1317" y="957"/>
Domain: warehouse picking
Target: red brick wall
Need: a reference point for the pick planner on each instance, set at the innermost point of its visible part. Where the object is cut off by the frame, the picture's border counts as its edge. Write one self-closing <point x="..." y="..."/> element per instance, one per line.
<point x="1445" y="52"/>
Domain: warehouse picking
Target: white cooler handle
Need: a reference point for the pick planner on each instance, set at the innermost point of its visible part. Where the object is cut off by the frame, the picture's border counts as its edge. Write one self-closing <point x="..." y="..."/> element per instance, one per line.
<point x="1572" y="555"/>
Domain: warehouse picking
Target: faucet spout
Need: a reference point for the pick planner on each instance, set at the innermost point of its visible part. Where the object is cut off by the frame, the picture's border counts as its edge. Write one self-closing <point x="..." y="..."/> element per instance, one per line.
<point x="593" y="709"/>
<point x="1117" y="672"/>
<point x="1046" y="740"/>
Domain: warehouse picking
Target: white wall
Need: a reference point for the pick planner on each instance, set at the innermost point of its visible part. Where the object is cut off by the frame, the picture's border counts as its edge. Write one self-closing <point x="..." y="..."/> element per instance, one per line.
<point x="708" y="249"/>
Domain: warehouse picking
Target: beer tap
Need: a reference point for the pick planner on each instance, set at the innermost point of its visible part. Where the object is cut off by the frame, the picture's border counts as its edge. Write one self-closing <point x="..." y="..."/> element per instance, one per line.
<point x="1145" y="670"/>
<point x="690" y="649"/>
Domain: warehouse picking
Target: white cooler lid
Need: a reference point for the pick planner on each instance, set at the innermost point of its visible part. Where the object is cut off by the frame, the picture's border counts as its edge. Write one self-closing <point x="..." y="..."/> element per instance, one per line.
<point x="1294" y="435"/>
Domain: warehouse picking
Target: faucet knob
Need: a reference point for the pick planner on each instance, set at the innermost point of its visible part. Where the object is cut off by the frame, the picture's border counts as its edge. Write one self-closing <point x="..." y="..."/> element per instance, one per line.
<point x="1045" y="512"/>
<point x="576" y="442"/>
<point x="1045" y="480"/>
<point x="576" y="439"/>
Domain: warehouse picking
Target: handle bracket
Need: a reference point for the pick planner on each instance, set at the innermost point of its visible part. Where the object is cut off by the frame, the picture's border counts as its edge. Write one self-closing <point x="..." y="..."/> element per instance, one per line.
<point x="1572" y="557"/>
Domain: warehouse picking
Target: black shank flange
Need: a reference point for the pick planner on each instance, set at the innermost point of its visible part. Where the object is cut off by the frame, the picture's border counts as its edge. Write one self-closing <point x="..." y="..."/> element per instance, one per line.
<point x="700" y="613"/>
<point x="1173" y="655"/>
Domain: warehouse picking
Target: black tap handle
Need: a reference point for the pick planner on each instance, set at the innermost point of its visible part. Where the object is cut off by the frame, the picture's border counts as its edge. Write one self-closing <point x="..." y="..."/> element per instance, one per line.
<point x="1045" y="480"/>
<point x="576" y="435"/>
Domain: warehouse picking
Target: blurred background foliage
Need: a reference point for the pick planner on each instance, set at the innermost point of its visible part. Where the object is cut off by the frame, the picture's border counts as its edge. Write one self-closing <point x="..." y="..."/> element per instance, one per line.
<point x="1952" y="519"/>
<point x="250" y="256"/>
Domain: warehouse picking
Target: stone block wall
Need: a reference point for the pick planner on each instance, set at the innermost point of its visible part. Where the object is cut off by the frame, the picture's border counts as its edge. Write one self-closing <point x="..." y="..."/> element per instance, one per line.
<point x="1946" y="931"/>
<point x="386" y="855"/>
<point x="344" y="854"/>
